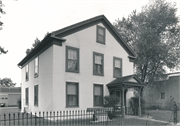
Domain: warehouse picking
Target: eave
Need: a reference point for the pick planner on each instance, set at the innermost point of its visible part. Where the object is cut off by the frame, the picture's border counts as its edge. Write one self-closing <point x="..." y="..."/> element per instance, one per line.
<point x="125" y="82"/>
<point x="48" y="41"/>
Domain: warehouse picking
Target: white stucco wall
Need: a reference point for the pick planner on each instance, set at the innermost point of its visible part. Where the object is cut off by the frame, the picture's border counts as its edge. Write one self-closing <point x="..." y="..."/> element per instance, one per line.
<point x="44" y="80"/>
<point x="85" y="40"/>
<point x="52" y="76"/>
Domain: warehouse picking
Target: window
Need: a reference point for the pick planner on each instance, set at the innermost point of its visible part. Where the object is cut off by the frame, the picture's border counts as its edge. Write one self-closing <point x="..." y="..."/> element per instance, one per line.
<point x="162" y="95"/>
<point x="98" y="64"/>
<point x="36" y="95"/>
<point x="72" y="59"/>
<point x="117" y="70"/>
<point x="27" y="72"/>
<point x="72" y="94"/>
<point x="27" y="95"/>
<point x="98" y="95"/>
<point x="100" y="34"/>
<point x="36" y="67"/>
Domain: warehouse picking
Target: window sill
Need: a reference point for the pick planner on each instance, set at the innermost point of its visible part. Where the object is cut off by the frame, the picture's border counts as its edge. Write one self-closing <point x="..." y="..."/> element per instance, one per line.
<point x="117" y="77"/>
<point x="72" y="106"/>
<point x="101" y="42"/>
<point x="99" y="106"/>
<point x="98" y="74"/>
<point x="72" y="71"/>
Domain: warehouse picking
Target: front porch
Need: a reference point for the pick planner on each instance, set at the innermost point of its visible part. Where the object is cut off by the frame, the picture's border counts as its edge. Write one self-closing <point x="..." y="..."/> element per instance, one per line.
<point x="120" y="86"/>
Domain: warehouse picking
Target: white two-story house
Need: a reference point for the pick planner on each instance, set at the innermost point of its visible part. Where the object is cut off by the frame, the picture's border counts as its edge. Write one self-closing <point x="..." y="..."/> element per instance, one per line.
<point x="71" y="67"/>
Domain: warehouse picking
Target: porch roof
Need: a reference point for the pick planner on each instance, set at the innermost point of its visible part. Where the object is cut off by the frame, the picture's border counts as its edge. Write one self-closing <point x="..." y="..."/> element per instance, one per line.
<point x="129" y="81"/>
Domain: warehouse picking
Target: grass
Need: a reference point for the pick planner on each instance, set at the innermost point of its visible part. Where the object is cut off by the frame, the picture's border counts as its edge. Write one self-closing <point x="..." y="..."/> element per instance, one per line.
<point x="163" y="115"/>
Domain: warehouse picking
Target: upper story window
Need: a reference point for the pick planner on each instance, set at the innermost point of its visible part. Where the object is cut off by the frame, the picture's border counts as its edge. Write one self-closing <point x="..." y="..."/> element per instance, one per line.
<point x="27" y="72"/>
<point x="100" y="35"/>
<point x="117" y="70"/>
<point x="72" y="59"/>
<point x="72" y="94"/>
<point x="36" y="67"/>
<point x="98" y="64"/>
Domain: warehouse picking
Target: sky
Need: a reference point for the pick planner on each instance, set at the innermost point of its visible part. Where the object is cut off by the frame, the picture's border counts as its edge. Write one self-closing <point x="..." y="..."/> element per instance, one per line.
<point x="26" y="20"/>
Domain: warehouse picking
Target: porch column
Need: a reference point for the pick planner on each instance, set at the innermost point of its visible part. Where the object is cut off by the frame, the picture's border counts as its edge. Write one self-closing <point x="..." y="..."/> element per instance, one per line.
<point x="122" y="102"/>
<point x="139" y="109"/>
<point x="125" y="92"/>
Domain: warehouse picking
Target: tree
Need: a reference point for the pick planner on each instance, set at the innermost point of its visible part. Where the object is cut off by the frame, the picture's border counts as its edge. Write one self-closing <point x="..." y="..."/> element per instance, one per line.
<point x="7" y="82"/>
<point x="34" y="45"/>
<point x="154" y="35"/>
<point x="1" y="24"/>
<point x="1" y="11"/>
<point x="2" y="50"/>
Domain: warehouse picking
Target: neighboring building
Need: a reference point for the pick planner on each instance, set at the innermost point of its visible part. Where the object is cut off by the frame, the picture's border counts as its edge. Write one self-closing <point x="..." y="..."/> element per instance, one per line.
<point x="163" y="91"/>
<point x="10" y="95"/>
<point x="71" y="67"/>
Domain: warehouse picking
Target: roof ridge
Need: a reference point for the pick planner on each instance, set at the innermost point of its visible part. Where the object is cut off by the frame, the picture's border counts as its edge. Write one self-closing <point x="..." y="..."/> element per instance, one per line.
<point x="76" y="24"/>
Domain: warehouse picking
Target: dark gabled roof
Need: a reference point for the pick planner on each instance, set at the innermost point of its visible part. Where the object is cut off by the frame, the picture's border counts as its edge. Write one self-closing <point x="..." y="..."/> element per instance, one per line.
<point x="92" y="21"/>
<point x="126" y="80"/>
<point x="59" y="34"/>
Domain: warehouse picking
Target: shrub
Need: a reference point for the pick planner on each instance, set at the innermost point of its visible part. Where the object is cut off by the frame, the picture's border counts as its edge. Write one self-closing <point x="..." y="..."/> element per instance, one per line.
<point x="111" y="101"/>
<point x="134" y="104"/>
<point x="19" y="103"/>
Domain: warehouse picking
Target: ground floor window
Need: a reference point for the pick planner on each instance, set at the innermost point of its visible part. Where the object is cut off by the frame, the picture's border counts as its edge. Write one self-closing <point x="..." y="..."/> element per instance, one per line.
<point x="98" y="95"/>
<point x="27" y="95"/>
<point x="36" y="95"/>
<point x="72" y="94"/>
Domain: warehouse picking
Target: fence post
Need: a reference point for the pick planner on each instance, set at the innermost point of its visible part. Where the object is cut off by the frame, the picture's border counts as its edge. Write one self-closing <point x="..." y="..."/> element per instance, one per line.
<point x="175" y="113"/>
<point x="47" y="117"/>
<point x="57" y="117"/>
<point x="18" y="118"/>
<point x="31" y="118"/>
<point x="60" y="115"/>
<point x="43" y="117"/>
<point x="35" y="118"/>
<point x="50" y="118"/>
<point x="4" y="119"/>
<point x="23" y="119"/>
<point x="27" y="118"/>
<point x="39" y="118"/>
<point x="9" y="119"/>
<point x="54" y="118"/>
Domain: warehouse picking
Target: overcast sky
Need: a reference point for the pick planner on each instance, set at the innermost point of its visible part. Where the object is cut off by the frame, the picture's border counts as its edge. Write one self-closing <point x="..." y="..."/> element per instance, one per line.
<point x="26" y="20"/>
